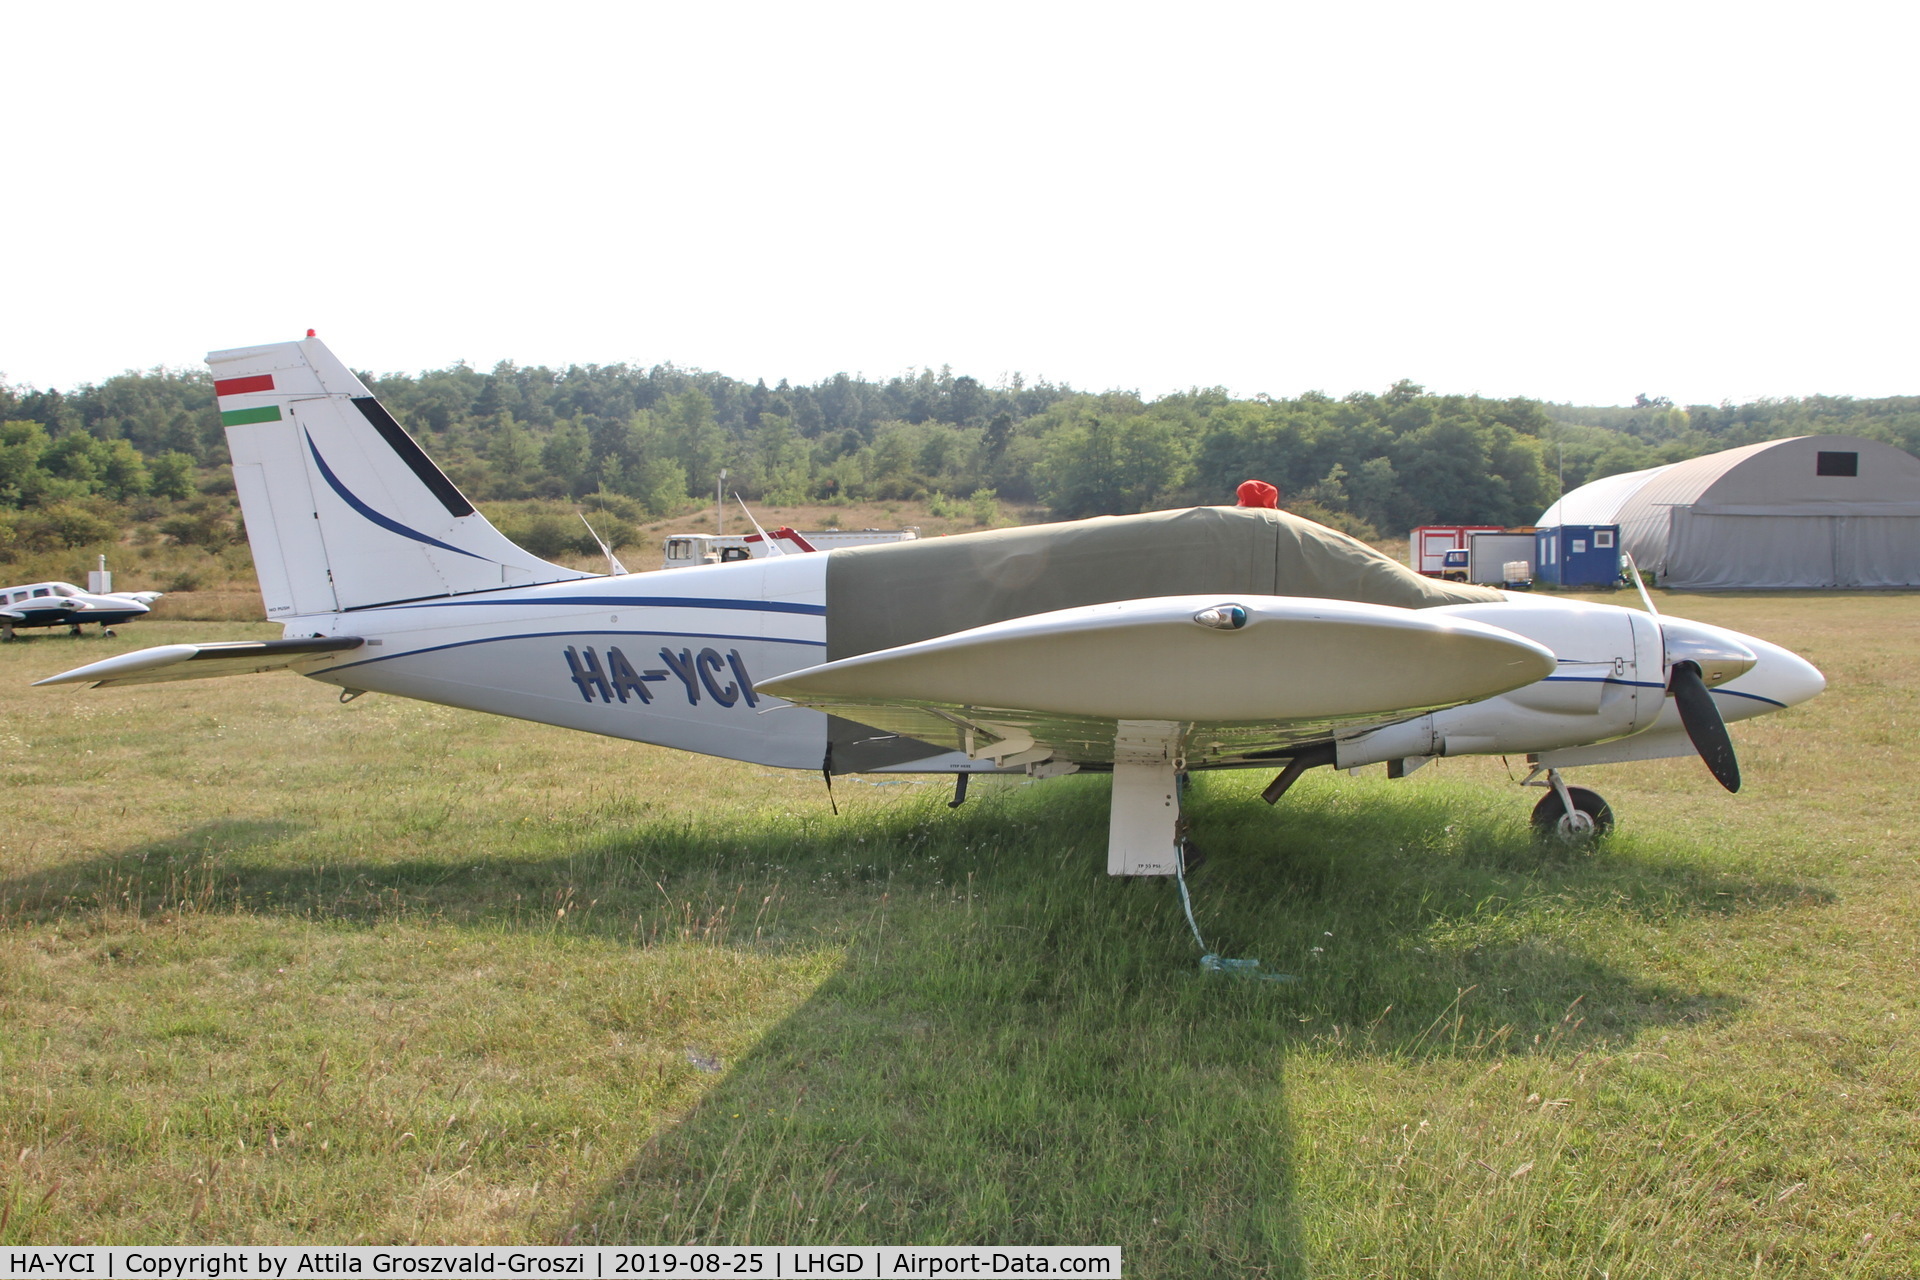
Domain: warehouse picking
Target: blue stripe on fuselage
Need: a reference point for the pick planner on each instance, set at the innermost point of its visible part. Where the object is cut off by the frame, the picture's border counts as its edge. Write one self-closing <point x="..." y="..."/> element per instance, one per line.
<point x="1645" y="684"/>
<point x="1635" y="684"/>
<point x="567" y="635"/>
<point x="643" y="602"/>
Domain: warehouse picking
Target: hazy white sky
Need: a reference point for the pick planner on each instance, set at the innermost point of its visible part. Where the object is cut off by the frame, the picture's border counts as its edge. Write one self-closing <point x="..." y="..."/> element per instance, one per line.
<point x="1569" y="201"/>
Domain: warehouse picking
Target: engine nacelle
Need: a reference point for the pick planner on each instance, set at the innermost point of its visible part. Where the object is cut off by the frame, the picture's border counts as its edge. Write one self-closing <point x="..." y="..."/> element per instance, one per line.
<point x="1610" y="683"/>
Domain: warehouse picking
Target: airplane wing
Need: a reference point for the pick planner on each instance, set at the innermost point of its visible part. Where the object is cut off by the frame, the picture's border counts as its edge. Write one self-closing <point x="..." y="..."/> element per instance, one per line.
<point x="193" y="661"/>
<point x="1231" y="679"/>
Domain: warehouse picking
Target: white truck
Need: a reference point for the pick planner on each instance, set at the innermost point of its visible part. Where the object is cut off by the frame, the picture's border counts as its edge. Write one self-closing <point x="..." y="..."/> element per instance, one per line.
<point x="708" y="548"/>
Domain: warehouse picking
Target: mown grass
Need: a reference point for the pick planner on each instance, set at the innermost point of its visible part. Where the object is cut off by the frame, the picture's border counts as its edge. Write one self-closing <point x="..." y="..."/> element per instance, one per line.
<point x="274" y="969"/>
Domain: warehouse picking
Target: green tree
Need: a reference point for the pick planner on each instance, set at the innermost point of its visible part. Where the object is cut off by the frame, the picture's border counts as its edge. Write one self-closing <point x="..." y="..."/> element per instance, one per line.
<point x="698" y="443"/>
<point x="1110" y="466"/>
<point x="1371" y="491"/>
<point x="62" y="526"/>
<point x="640" y="464"/>
<point x="22" y="444"/>
<point x="999" y="432"/>
<point x="74" y="457"/>
<point x="781" y="460"/>
<point x="171" y="475"/>
<point x="515" y="457"/>
<point x="567" y="456"/>
<point x="123" y="472"/>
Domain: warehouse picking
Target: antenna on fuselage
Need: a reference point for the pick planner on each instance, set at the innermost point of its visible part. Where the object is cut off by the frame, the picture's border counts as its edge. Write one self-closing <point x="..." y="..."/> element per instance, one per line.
<point x="614" y="567"/>
<point x="773" y="548"/>
<point x="1634" y="569"/>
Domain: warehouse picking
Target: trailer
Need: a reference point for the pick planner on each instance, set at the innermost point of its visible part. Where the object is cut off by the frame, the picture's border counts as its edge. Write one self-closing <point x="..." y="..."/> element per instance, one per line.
<point x="1427" y="547"/>
<point x="1490" y="553"/>
<point x="1579" y="555"/>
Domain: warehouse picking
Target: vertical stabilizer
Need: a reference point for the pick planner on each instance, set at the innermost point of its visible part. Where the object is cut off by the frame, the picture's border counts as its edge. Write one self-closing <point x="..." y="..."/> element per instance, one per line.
<point x="343" y="509"/>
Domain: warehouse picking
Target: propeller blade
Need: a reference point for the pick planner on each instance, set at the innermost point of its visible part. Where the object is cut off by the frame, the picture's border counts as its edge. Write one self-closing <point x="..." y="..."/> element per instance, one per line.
<point x="1705" y="728"/>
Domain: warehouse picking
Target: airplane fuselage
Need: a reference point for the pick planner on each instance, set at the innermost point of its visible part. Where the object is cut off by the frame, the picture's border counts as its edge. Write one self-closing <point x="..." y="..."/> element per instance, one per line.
<point x="676" y="660"/>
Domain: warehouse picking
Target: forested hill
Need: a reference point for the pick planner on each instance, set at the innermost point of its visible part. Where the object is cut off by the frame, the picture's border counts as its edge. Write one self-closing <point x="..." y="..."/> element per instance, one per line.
<point x="657" y="438"/>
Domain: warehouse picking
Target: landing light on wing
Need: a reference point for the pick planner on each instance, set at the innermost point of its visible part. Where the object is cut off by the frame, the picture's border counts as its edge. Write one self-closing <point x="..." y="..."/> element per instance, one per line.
<point x="1223" y="617"/>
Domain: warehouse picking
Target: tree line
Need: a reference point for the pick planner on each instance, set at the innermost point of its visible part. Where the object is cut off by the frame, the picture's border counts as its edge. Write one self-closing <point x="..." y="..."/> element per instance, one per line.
<point x="651" y="441"/>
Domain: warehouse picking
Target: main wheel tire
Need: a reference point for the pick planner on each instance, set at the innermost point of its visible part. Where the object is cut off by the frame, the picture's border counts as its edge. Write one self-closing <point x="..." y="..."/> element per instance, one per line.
<point x="1551" y="821"/>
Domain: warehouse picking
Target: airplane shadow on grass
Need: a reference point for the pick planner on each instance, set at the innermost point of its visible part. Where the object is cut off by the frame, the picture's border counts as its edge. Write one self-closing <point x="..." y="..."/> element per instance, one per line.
<point x="1017" y="1048"/>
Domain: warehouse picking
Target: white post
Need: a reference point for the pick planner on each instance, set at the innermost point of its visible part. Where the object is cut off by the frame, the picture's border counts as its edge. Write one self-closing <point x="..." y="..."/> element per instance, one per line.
<point x="99" y="581"/>
<point x="720" y="505"/>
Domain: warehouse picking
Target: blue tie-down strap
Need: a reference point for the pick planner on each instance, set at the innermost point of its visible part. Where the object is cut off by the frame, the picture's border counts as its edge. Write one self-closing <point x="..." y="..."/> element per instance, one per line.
<point x="1242" y="968"/>
<point x="1211" y="962"/>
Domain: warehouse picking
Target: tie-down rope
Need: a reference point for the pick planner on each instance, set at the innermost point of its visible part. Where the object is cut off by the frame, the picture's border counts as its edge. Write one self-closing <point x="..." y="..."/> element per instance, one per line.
<point x="1211" y="961"/>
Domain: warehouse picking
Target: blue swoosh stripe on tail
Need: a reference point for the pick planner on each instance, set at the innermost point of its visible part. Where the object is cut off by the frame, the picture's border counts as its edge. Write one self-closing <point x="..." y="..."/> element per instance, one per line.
<point x="391" y="526"/>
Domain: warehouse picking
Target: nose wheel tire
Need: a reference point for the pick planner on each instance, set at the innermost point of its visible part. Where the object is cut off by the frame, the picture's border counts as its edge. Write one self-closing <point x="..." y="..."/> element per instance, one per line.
<point x="1590" y="819"/>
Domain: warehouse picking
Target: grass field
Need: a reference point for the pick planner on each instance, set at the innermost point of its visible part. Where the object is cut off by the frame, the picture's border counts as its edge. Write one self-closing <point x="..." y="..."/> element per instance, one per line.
<point x="274" y="969"/>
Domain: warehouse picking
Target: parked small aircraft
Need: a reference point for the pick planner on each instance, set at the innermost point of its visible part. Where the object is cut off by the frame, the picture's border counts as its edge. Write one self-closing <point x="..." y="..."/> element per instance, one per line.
<point x="61" y="604"/>
<point x="1144" y="645"/>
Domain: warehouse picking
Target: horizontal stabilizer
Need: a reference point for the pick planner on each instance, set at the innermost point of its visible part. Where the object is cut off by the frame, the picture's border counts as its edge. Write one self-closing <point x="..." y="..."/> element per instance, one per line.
<point x="196" y="661"/>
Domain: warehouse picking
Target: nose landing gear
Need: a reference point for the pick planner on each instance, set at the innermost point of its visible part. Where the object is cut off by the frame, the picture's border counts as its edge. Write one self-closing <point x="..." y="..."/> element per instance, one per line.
<point x="1570" y="815"/>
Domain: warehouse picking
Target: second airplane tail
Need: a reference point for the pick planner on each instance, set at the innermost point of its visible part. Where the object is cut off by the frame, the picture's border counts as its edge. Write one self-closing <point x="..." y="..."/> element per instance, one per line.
<point x="343" y="510"/>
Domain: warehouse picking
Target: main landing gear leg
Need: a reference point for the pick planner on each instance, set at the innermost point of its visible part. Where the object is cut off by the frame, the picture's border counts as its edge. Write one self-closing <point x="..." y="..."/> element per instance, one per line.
<point x="1143" y="833"/>
<point x="1571" y="815"/>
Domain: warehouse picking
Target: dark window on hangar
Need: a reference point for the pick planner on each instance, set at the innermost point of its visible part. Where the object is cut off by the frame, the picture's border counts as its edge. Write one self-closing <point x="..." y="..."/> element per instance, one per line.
<point x="1836" y="464"/>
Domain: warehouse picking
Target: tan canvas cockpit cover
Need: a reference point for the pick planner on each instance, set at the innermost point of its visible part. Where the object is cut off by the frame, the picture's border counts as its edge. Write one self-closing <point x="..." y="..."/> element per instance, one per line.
<point x="898" y="593"/>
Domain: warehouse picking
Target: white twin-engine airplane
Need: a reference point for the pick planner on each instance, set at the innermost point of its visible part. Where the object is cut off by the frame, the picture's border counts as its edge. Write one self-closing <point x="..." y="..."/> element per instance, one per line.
<point x="1144" y="645"/>
<point x="61" y="604"/>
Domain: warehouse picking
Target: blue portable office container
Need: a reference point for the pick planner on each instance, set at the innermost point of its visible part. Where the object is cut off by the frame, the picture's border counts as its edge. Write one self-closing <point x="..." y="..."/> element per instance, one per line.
<point x="1577" y="555"/>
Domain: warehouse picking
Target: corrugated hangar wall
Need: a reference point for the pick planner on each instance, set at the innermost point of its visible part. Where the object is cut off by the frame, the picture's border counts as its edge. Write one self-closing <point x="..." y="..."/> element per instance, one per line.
<point x="1810" y="511"/>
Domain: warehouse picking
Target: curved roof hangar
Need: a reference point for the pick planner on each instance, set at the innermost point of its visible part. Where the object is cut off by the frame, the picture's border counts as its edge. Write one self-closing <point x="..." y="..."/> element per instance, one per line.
<point x="1717" y="520"/>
